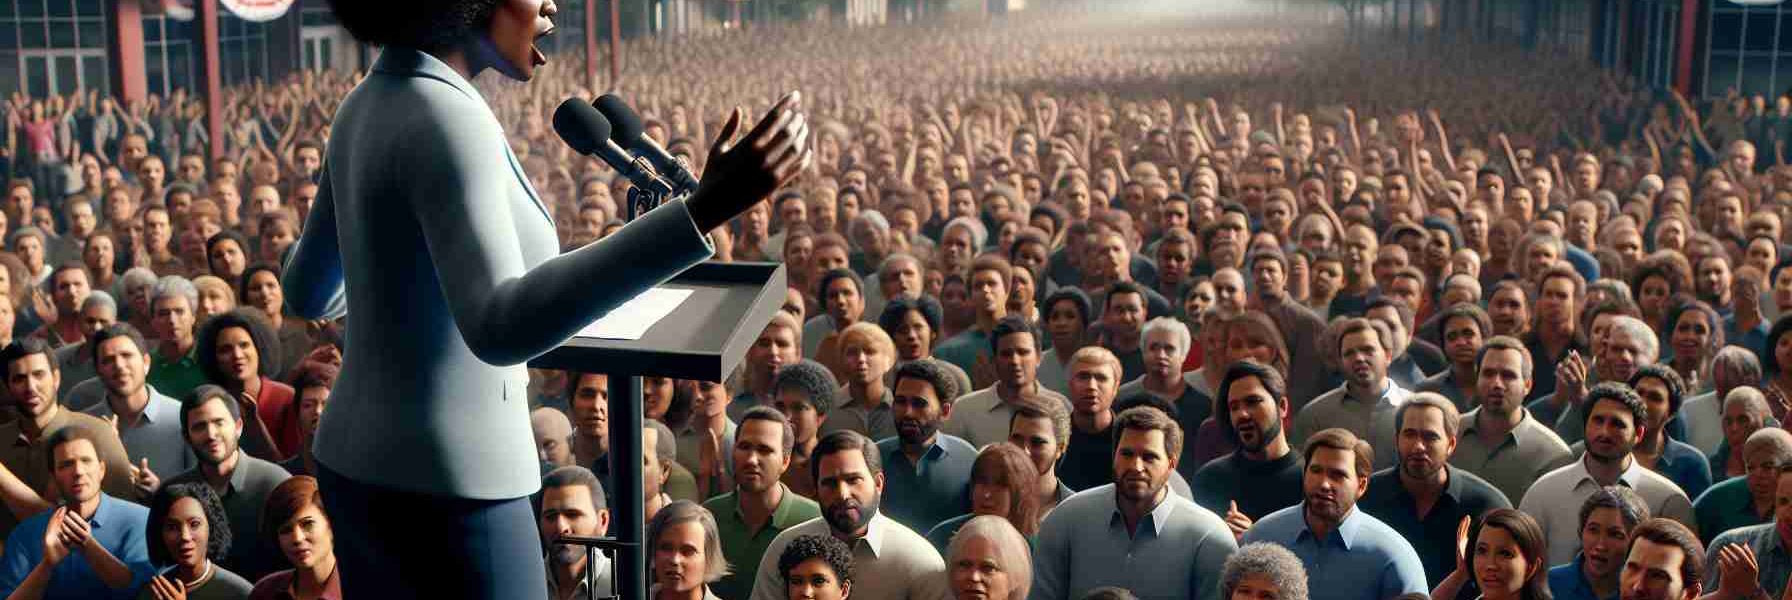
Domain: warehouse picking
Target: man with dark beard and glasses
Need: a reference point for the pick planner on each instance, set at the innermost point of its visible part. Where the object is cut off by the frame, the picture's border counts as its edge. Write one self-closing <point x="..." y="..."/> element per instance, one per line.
<point x="1349" y="554"/>
<point x="929" y="473"/>
<point x="213" y="423"/>
<point x="890" y="562"/>
<point x="573" y="503"/>
<point x="1424" y="498"/>
<point x="1133" y="533"/>
<point x="1264" y="474"/>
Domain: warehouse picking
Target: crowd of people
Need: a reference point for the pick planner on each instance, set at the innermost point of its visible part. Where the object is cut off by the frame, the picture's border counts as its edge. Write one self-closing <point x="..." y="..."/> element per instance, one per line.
<point x="1079" y="307"/>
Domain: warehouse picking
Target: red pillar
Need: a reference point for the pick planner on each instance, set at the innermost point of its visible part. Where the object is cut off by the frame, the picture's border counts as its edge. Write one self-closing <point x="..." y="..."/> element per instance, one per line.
<point x="207" y="13"/>
<point x="615" y="44"/>
<point x="591" y="56"/>
<point x="1689" y="27"/>
<point x="124" y="51"/>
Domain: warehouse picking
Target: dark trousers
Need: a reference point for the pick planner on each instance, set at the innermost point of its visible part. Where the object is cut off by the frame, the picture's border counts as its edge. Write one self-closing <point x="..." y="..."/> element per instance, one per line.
<point x="398" y="544"/>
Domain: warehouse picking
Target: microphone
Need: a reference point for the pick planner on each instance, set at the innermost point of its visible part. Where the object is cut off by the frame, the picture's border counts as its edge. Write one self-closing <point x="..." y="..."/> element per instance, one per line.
<point x="629" y="131"/>
<point x="588" y="132"/>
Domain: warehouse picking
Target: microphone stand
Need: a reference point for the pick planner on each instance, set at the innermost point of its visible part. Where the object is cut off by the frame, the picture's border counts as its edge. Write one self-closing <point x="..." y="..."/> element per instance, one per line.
<point x="609" y="546"/>
<point x="626" y="417"/>
<point x="648" y="195"/>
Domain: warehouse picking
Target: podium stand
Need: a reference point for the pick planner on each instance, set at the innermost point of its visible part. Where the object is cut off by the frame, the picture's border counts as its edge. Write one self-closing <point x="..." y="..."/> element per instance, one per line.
<point x="703" y="339"/>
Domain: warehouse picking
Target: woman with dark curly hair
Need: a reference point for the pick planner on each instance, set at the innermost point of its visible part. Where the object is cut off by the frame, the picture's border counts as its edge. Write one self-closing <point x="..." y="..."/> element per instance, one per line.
<point x="193" y="533"/>
<point x="426" y="228"/>
<point x="816" y="567"/>
<point x="236" y="350"/>
<point x="1656" y="279"/>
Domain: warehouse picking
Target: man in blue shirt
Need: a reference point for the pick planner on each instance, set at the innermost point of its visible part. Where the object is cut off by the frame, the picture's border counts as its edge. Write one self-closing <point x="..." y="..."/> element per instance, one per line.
<point x="1134" y="533"/>
<point x="1662" y="391"/>
<point x="1349" y="555"/>
<point x="929" y="472"/>
<point x="93" y="547"/>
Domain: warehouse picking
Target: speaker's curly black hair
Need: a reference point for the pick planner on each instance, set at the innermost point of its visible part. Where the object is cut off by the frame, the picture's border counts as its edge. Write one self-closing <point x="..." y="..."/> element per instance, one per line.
<point x="426" y="25"/>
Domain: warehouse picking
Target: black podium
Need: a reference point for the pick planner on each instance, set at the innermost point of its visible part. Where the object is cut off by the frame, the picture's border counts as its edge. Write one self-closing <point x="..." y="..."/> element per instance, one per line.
<point x="702" y="339"/>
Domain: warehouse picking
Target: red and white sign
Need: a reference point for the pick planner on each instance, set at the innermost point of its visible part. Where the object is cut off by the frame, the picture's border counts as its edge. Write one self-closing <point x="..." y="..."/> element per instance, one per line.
<point x="257" y="10"/>
<point x="179" y="10"/>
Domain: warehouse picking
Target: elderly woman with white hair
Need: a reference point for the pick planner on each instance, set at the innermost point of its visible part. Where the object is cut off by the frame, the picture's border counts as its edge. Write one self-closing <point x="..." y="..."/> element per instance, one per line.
<point x="869" y="233"/>
<point x="1745" y="412"/>
<point x="685" y="548"/>
<point x="1263" y="571"/>
<point x="960" y="241"/>
<point x="989" y="559"/>
<point x="135" y="286"/>
<point x="1703" y="418"/>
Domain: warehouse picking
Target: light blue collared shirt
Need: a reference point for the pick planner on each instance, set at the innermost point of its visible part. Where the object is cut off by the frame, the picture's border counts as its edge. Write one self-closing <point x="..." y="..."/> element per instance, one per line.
<point x="156" y="437"/>
<point x="1362" y="559"/>
<point x="118" y="525"/>
<point x="1176" y="552"/>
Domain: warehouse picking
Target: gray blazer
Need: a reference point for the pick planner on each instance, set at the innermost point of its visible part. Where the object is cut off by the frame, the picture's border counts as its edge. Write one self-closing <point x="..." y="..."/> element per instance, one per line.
<point x="426" y="230"/>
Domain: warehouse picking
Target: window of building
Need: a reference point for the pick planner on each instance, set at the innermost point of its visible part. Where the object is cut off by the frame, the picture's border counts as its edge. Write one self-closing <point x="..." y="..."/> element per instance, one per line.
<point x="52" y="46"/>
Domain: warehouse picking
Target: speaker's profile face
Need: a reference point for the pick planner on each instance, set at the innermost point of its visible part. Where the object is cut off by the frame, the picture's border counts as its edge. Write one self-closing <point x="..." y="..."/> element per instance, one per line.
<point x="515" y="28"/>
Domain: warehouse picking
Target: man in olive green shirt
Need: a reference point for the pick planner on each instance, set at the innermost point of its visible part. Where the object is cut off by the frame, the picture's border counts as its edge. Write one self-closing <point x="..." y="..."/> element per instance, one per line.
<point x="760" y="507"/>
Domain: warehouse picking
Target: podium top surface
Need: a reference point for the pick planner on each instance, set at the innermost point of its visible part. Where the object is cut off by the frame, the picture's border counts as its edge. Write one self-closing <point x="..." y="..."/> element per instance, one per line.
<point x="703" y="339"/>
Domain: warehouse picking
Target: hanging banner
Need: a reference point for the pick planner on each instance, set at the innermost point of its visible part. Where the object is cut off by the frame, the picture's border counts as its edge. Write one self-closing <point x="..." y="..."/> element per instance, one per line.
<point x="257" y="10"/>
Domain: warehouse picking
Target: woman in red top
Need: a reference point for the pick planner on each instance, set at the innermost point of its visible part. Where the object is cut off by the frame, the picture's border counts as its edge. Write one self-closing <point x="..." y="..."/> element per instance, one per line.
<point x="231" y="350"/>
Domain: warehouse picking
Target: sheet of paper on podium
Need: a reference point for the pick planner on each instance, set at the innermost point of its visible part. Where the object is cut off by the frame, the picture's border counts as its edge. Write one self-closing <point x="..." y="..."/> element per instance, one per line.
<point x="631" y="320"/>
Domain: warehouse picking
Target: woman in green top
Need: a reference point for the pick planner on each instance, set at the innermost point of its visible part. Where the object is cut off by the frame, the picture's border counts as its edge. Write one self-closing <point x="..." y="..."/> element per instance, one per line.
<point x="188" y="530"/>
<point x="1003" y="484"/>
